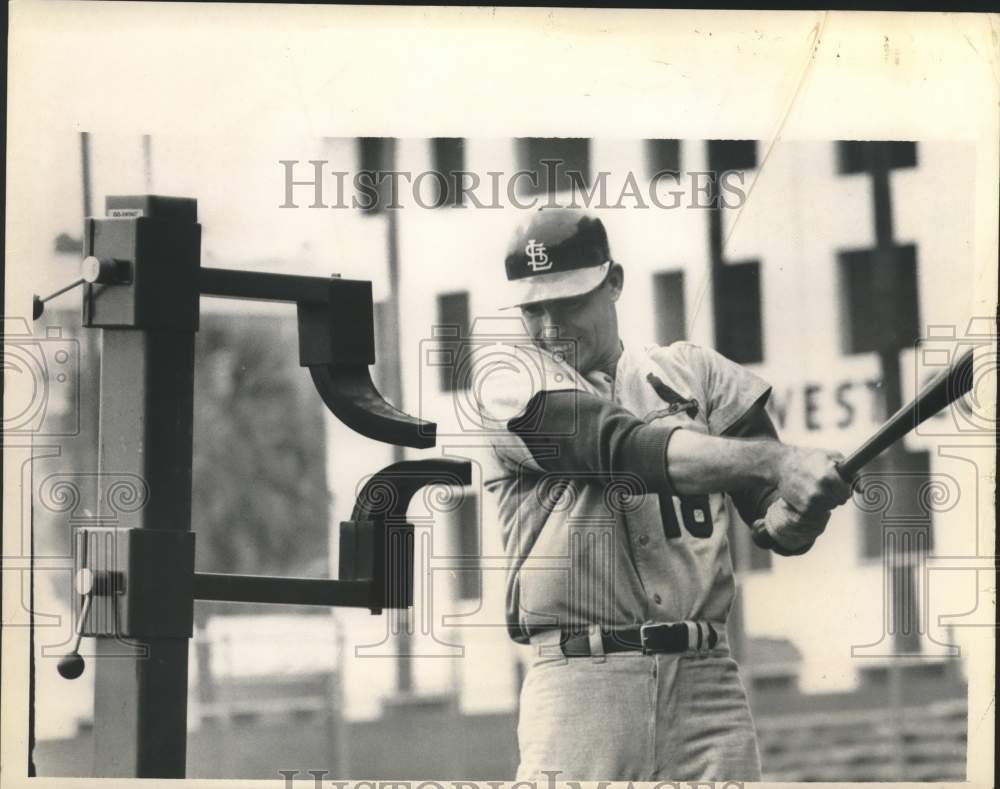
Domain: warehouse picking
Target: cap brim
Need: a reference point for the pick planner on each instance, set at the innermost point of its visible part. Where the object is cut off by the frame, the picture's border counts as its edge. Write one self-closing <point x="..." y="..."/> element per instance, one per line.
<point x="558" y="285"/>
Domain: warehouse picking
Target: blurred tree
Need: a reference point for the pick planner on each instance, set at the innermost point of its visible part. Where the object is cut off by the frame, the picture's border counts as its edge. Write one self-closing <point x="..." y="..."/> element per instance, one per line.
<point x="261" y="501"/>
<point x="260" y="498"/>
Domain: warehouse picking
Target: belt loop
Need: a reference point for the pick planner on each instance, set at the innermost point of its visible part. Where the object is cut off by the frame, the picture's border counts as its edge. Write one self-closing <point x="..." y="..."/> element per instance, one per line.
<point x="596" y="644"/>
<point x="694" y="636"/>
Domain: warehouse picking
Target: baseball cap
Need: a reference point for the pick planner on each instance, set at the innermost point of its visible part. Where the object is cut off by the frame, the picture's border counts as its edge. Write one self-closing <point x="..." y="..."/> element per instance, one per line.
<point x="561" y="253"/>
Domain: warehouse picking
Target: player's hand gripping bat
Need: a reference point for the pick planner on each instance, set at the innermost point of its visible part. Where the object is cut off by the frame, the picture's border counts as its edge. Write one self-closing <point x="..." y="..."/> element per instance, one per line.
<point x="939" y="393"/>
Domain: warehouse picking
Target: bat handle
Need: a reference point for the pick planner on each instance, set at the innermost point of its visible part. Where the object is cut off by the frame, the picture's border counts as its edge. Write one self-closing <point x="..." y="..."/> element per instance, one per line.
<point x="847" y="470"/>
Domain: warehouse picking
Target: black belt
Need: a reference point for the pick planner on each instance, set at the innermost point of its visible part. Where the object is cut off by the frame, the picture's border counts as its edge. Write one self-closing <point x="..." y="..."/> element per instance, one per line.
<point x="650" y="639"/>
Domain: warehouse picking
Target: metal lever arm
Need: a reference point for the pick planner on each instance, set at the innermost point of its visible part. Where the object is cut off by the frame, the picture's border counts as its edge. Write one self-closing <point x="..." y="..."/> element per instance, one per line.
<point x="88" y="584"/>
<point x="336" y="343"/>
<point x="349" y="393"/>
<point x="387" y="494"/>
<point x="92" y="270"/>
<point x="383" y="500"/>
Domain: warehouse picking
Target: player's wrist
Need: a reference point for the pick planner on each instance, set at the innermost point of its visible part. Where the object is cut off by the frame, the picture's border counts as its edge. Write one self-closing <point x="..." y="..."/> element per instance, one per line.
<point x="773" y="455"/>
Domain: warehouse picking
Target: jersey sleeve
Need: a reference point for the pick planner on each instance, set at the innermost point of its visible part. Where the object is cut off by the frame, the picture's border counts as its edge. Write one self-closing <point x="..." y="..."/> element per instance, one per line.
<point x="574" y="431"/>
<point x="552" y="426"/>
<point x="729" y="389"/>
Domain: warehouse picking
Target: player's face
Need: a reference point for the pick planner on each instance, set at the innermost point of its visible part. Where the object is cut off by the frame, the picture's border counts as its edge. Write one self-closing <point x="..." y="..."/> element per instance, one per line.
<point x="583" y="328"/>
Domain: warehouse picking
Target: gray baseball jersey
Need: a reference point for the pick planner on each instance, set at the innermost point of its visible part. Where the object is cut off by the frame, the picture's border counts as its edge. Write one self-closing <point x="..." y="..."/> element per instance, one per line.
<point x="593" y="531"/>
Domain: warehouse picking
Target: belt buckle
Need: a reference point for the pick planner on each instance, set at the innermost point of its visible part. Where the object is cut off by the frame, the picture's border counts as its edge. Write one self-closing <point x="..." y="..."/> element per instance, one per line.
<point x="644" y="629"/>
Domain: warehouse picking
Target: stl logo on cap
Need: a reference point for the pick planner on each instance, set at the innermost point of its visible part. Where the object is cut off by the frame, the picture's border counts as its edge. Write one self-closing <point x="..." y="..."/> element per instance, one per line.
<point x="537" y="257"/>
<point x="563" y="252"/>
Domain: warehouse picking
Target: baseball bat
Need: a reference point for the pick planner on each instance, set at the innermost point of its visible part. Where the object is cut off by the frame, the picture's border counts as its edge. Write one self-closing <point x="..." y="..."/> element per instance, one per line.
<point x="944" y="389"/>
<point x="937" y="394"/>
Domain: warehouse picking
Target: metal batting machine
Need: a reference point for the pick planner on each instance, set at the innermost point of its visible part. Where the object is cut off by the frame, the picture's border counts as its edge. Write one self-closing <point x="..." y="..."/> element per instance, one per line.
<point x="142" y="282"/>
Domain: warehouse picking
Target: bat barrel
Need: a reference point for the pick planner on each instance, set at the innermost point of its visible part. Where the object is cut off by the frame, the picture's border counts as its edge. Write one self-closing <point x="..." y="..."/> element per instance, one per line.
<point x="938" y="393"/>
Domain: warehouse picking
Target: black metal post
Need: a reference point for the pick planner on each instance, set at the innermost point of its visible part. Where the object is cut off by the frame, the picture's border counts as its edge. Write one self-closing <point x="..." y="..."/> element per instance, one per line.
<point x="145" y="433"/>
<point x="147" y="390"/>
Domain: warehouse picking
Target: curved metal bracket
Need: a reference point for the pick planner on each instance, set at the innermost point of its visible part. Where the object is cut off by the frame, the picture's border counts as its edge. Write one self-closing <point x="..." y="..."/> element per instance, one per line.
<point x="377" y="545"/>
<point x="349" y="393"/>
<point x="387" y="493"/>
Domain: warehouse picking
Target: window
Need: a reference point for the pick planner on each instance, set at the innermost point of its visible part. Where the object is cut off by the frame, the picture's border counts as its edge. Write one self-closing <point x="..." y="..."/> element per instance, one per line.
<point x="470" y="577"/>
<point x="735" y="284"/>
<point x="448" y="156"/>
<point x="375" y="156"/>
<point x="568" y="163"/>
<point x="873" y="676"/>
<point x="863" y="156"/>
<point x="738" y="325"/>
<point x="668" y="299"/>
<point x="879" y="297"/>
<point x="732" y="155"/>
<point x="904" y="613"/>
<point x="68" y="244"/>
<point x="663" y="155"/>
<point x="450" y="332"/>
<point x="905" y="476"/>
<point x="899" y="532"/>
<point x="932" y="672"/>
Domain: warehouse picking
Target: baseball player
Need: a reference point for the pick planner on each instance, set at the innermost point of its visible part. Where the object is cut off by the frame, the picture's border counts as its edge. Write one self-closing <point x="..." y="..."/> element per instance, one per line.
<point x="610" y="469"/>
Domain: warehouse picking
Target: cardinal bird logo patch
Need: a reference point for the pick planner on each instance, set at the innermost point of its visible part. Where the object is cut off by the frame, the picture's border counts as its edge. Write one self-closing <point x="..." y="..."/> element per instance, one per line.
<point x="676" y="401"/>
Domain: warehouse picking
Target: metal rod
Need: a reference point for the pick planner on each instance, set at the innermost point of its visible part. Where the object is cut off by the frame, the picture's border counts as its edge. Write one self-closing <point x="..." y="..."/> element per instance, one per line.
<point x="282" y="591"/>
<point x="235" y="284"/>
<point x="85" y="172"/>
<point x="62" y="290"/>
<point x="83" y="619"/>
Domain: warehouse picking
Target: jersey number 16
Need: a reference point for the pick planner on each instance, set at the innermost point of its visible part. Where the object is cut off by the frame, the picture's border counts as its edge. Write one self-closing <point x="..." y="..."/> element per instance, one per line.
<point x="695" y="512"/>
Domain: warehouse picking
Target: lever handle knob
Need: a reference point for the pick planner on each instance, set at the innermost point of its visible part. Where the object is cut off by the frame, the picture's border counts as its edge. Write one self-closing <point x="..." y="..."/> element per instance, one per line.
<point x="92" y="270"/>
<point x="88" y="583"/>
<point x="72" y="665"/>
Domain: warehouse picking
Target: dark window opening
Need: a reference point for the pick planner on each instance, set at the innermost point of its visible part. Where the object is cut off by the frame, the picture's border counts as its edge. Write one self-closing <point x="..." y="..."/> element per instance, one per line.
<point x="470" y="579"/>
<point x="450" y="332"/>
<point x="448" y="155"/>
<point x="668" y="299"/>
<point x="862" y="156"/>
<point x="905" y="476"/>
<point x="739" y="327"/>
<point x="873" y="677"/>
<point x="905" y="612"/>
<point x="732" y="155"/>
<point x="375" y="156"/>
<point x="879" y="294"/>
<point x="663" y="155"/>
<point x="568" y="164"/>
